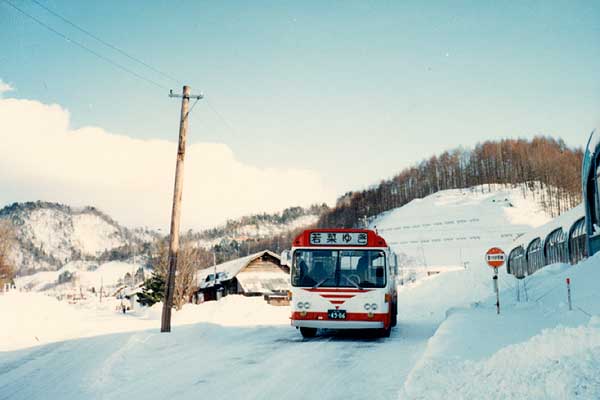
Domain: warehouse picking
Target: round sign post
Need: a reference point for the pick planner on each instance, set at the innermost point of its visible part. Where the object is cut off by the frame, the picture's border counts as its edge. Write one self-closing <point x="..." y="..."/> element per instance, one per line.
<point x="495" y="258"/>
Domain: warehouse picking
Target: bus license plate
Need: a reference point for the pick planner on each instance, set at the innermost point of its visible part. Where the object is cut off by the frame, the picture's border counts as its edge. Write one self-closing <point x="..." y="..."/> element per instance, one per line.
<point x="336" y="314"/>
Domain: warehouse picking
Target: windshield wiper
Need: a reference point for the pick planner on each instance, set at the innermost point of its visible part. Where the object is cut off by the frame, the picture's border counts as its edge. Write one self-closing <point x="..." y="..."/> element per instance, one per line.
<point x="320" y="283"/>
<point x="356" y="285"/>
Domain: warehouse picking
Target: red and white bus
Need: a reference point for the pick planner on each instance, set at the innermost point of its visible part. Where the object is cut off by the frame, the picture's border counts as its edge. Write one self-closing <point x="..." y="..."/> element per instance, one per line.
<point x="342" y="279"/>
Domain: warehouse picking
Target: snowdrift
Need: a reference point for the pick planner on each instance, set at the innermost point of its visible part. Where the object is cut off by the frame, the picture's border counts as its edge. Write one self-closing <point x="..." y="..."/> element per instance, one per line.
<point x="536" y="349"/>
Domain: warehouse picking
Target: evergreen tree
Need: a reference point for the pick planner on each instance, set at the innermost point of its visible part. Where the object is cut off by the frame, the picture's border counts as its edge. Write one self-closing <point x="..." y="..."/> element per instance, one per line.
<point x="153" y="290"/>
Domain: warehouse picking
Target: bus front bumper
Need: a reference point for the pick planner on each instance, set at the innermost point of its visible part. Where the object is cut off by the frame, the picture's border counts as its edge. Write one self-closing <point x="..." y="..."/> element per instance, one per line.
<point x="353" y="321"/>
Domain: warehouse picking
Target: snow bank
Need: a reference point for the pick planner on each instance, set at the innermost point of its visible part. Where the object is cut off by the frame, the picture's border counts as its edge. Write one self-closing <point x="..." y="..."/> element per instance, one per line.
<point x="559" y="363"/>
<point x="233" y="310"/>
<point x="536" y="349"/>
<point x="30" y="319"/>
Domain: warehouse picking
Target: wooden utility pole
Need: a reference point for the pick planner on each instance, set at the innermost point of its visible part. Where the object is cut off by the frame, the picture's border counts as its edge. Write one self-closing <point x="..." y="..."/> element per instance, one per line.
<point x="176" y="210"/>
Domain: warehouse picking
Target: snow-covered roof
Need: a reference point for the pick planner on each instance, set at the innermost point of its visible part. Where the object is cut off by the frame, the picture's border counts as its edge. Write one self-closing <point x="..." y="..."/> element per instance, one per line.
<point x="264" y="281"/>
<point x="564" y="221"/>
<point x="229" y="269"/>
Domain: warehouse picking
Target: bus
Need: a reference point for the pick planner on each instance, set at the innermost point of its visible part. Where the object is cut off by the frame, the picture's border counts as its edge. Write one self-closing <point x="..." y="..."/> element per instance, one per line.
<point x="342" y="279"/>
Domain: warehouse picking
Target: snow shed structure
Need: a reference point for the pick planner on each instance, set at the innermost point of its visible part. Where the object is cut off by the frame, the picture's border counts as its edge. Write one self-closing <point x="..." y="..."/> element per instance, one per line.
<point x="590" y="175"/>
<point x="254" y="275"/>
<point x="561" y="240"/>
<point x="571" y="237"/>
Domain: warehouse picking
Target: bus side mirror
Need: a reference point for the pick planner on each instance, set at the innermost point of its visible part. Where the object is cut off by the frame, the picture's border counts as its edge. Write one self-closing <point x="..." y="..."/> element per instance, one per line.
<point x="285" y="258"/>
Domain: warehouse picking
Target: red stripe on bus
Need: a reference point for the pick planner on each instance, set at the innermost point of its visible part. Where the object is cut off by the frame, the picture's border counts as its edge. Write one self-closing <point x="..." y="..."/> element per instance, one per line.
<point x="334" y="290"/>
<point x="338" y="296"/>
<point x="337" y="301"/>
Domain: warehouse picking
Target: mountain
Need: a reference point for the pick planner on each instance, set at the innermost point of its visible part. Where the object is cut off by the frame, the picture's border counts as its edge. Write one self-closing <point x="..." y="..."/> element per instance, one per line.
<point x="256" y="232"/>
<point x="51" y="235"/>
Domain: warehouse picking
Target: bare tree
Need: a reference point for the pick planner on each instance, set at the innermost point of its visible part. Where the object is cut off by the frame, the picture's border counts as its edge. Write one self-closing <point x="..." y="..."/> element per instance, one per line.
<point x="189" y="260"/>
<point x="187" y="267"/>
<point x="7" y="240"/>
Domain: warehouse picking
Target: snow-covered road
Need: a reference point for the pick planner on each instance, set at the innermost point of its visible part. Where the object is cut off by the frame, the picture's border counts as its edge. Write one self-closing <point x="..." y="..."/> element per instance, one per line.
<point x="211" y="360"/>
<point x="217" y="359"/>
<point x="208" y="360"/>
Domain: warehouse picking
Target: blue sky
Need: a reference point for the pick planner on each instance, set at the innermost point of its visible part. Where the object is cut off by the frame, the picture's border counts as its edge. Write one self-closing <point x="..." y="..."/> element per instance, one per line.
<point x="352" y="90"/>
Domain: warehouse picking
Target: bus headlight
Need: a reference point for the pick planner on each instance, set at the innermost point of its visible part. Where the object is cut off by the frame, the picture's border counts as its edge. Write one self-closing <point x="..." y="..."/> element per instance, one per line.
<point x="367" y="306"/>
<point x="373" y="306"/>
<point x="306" y="305"/>
<point x="299" y="305"/>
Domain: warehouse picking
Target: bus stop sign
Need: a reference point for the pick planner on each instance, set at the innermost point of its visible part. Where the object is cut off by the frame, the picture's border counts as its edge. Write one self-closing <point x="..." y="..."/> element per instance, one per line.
<point x="495" y="257"/>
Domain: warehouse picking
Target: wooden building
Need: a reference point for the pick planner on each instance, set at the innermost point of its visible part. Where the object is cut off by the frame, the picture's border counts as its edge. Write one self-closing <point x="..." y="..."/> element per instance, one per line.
<point x="255" y="275"/>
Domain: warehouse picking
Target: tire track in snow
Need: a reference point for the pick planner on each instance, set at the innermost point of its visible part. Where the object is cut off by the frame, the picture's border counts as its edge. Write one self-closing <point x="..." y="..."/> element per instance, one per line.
<point x="103" y="375"/>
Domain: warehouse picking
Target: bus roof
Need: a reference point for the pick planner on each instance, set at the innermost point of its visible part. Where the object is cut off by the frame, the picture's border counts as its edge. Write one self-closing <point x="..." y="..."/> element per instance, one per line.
<point x="336" y="237"/>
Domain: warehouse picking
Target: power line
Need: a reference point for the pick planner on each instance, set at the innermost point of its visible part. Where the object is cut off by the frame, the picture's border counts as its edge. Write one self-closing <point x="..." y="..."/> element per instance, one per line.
<point x="107" y="44"/>
<point x="227" y="124"/>
<point x="220" y="116"/>
<point x="84" y="47"/>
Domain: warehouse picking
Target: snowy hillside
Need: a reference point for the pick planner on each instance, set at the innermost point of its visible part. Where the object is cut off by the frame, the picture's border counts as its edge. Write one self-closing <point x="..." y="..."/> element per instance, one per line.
<point x="271" y="229"/>
<point x="259" y="231"/>
<point x="51" y="235"/>
<point x="260" y="226"/>
<point x="454" y="227"/>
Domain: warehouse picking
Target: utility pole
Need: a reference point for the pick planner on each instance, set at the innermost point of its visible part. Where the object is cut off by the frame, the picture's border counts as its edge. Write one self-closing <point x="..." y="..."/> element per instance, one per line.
<point x="176" y="210"/>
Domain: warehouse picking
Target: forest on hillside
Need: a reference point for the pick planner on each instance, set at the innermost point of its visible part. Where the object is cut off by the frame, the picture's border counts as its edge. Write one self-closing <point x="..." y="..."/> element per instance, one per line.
<point x="231" y="227"/>
<point x="544" y="165"/>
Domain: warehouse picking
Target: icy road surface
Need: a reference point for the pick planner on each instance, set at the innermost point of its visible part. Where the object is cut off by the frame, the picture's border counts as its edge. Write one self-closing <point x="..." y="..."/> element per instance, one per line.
<point x="208" y="360"/>
<point x="222" y="356"/>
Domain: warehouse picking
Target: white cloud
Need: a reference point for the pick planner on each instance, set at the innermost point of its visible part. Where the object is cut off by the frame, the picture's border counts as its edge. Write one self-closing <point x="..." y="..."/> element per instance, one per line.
<point x="5" y="87"/>
<point x="41" y="158"/>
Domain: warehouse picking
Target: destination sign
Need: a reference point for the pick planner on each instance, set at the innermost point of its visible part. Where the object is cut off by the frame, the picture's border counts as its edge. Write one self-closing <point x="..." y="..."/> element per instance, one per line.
<point x="338" y="238"/>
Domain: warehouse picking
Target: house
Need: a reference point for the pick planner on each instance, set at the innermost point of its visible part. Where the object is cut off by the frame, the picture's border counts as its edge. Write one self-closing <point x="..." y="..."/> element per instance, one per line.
<point x="128" y="295"/>
<point x="255" y="275"/>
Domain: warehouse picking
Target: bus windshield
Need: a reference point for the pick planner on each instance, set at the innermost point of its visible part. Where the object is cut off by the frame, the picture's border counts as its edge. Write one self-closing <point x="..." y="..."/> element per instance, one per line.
<point x="339" y="268"/>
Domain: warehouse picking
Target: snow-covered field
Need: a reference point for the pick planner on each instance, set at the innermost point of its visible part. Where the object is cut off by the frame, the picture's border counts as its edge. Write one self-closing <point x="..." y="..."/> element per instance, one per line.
<point x="107" y="275"/>
<point x="34" y="318"/>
